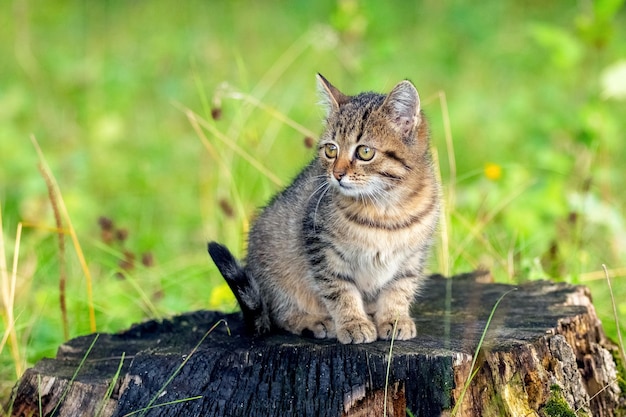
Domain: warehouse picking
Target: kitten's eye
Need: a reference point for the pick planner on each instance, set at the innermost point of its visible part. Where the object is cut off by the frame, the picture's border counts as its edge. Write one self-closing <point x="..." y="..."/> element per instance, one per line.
<point x="330" y="150"/>
<point x="365" y="153"/>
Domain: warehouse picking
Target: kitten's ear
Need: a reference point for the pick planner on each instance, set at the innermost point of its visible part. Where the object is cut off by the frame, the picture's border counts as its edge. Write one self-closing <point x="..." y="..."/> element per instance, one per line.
<point x="402" y="106"/>
<point x="331" y="97"/>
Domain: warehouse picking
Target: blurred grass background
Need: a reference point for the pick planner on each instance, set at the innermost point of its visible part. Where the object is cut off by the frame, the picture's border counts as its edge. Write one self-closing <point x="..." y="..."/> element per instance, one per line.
<point x="532" y="159"/>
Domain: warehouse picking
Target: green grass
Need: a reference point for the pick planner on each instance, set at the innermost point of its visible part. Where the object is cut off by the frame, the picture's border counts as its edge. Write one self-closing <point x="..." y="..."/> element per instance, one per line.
<point x="532" y="162"/>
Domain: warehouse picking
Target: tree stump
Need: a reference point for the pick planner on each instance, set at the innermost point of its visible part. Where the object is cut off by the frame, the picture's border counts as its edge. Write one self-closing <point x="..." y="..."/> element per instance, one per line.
<point x="544" y="350"/>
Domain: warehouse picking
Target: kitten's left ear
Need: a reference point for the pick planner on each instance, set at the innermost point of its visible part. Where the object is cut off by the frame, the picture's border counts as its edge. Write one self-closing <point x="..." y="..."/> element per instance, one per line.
<point x="332" y="98"/>
<point x="402" y="106"/>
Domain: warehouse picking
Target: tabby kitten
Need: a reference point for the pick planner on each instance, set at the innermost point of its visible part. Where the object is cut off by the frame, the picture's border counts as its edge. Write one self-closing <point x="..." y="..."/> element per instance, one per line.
<point x="340" y="253"/>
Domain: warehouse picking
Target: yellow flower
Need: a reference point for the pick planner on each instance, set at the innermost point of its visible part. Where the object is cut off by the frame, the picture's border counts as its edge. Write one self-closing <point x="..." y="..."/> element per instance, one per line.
<point x="493" y="171"/>
<point x="221" y="297"/>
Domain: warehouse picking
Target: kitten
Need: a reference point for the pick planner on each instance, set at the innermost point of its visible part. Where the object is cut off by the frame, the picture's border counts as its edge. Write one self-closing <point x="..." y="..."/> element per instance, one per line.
<point x="340" y="253"/>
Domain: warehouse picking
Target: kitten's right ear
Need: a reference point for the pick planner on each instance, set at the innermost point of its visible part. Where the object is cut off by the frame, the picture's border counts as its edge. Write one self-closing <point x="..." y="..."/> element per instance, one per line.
<point x="331" y="97"/>
<point x="402" y="106"/>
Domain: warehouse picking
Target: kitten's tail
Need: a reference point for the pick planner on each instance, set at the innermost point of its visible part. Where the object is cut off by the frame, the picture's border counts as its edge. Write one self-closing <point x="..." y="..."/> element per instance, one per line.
<point x="245" y="288"/>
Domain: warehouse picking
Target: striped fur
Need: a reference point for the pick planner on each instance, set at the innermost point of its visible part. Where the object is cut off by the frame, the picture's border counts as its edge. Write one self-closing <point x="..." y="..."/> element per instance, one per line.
<point x="340" y="253"/>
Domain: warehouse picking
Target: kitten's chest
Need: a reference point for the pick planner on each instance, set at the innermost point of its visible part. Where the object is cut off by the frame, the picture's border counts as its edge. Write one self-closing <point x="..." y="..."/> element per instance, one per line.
<point x="374" y="250"/>
<point x="372" y="259"/>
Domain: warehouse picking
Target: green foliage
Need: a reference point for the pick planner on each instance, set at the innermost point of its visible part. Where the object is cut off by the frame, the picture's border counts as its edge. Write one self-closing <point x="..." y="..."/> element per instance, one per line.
<point x="533" y="181"/>
<point x="556" y="405"/>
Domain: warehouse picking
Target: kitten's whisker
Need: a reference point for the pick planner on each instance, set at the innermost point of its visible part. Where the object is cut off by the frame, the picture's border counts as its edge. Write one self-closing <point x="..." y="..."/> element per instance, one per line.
<point x="377" y="198"/>
<point x="318" y="189"/>
<point x="316" y="177"/>
<point x="372" y="197"/>
<point x="327" y="184"/>
<point x="377" y="193"/>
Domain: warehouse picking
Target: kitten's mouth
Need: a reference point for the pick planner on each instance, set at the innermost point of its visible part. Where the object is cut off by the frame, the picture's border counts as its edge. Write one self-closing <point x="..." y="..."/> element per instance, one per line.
<point x="347" y="189"/>
<point x="342" y="184"/>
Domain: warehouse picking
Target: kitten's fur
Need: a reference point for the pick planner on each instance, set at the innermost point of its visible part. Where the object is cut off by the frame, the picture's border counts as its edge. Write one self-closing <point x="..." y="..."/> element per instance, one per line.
<point x="341" y="251"/>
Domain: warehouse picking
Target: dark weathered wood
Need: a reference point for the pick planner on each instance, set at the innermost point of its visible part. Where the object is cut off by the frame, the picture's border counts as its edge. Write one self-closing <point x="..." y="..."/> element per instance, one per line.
<point x="543" y="335"/>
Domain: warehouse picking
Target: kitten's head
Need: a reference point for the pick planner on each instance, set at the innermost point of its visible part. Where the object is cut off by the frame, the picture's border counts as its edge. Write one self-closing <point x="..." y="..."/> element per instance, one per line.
<point x="373" y="144"/>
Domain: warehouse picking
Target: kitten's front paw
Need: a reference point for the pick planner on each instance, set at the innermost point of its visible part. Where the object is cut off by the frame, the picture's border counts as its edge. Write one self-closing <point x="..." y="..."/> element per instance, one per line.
<point x="317" y="326"/>
<point x="405" y="329"/>
<point x="321" y="330"/>
<point x="355" y="331"/>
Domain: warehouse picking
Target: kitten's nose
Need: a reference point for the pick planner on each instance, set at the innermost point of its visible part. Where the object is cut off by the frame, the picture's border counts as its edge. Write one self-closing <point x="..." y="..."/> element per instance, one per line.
<point x="339" y="174"/>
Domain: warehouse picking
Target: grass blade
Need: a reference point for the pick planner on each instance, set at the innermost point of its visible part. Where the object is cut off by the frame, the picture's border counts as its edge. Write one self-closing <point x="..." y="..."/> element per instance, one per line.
<point x="151" y="407"/>
<point x="616" y="315"/>
<point x="61" y="243"/>
<point x="480" y="343"/>
<point x="236" y="95"/>
<point x="111" y="387"/>
<point x="72" y="231"/>
<point x="393" y="337"/>
<point x="171" y="378"/>
<point x="69" y="384"/>
<point x="233" y="146"/>
<point x="8" y="297"/>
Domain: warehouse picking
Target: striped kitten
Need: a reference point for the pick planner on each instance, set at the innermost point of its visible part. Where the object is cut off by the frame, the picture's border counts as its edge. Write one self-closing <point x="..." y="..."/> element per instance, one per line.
<point x="340" y="253"/>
